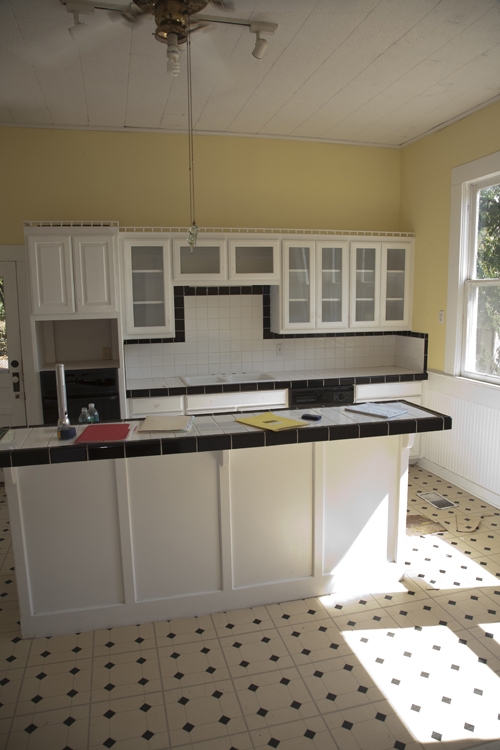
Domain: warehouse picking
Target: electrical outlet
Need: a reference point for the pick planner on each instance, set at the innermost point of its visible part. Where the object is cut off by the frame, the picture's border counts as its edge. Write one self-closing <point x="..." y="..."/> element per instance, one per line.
<point x="106" y="352"/>
<point x="279" y="350"/>
<point x="441" y="316"/>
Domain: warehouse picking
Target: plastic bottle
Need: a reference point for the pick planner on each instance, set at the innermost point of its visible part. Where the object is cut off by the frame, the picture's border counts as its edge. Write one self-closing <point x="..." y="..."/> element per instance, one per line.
<point x="93" y="413"/>
<point x="83" y="417"/>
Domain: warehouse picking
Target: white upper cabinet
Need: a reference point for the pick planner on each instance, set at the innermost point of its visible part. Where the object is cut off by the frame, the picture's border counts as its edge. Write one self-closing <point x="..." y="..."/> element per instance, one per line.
<point x="396" y="287"/>
<point x="315" y="287"/>
<point x="206" y="263"/>
<point x="298" y="285"/>
<point x="332" y="285"/>
<point x="51" y="275"/>
<point x="148" y="287"/>
<point x="211" y="262"/>
<point x="72" y="274"/>
<point x="380" y="285"/>
<point x="254" y="261"/>
<point x="365" y="285"/>
<point x="94" y="273"/>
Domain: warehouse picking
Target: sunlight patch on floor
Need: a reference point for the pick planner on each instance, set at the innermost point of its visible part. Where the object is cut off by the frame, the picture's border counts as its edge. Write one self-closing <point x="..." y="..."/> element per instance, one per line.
<point x="436" y="684"/>
<point x="432" y="560"/>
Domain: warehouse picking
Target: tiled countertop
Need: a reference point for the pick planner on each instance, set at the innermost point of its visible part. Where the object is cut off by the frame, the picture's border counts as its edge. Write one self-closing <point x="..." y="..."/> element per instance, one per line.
<point x="291" y="379"/>
<point x="40" y="445"/>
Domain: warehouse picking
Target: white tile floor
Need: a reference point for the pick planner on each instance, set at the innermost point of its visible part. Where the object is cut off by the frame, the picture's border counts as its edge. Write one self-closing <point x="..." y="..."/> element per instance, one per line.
<point x="411" y="668"/>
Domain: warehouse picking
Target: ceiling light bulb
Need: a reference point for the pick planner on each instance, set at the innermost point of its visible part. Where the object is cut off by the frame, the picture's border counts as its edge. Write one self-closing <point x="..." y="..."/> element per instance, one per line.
<point x="260" y="47"/>
<point x="173" y="54"/>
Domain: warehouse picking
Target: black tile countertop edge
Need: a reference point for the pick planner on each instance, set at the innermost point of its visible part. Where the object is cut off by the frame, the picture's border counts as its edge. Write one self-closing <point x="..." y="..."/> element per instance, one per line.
<point x="272" y="385"/>
<point x="200" y="443"/>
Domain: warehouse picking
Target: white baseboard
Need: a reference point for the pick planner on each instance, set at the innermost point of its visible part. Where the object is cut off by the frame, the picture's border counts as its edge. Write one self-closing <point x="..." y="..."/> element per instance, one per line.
<point x="481" y="492"/>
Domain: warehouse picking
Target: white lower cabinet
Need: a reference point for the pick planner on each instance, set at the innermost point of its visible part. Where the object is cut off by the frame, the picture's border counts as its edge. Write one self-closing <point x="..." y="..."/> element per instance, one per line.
<point x="411" y="392"/>
<point x="244" y="401"/>
<point x="215" y="403"/>
<point x="143" y="407"/>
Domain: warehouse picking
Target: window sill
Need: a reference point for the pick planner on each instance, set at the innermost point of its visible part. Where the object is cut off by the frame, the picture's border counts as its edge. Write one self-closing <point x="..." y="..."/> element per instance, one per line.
<point x="477" y="392"/>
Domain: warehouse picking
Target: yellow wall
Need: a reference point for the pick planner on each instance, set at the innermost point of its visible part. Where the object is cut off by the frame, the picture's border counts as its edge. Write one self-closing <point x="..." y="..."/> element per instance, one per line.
<point x="425" y="209"/>
<point x="140" y="179"/>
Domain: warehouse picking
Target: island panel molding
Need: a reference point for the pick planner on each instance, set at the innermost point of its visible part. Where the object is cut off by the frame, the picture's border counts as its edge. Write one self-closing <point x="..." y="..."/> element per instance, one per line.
<point x="226" y="518"/>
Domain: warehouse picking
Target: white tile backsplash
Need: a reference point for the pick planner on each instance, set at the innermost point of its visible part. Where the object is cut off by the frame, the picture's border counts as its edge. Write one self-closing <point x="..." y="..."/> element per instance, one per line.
<point x="224" y="334"/>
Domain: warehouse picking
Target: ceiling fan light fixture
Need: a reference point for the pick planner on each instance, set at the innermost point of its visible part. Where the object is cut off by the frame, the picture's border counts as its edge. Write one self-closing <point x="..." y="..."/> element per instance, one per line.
<point x="173" y="54"/>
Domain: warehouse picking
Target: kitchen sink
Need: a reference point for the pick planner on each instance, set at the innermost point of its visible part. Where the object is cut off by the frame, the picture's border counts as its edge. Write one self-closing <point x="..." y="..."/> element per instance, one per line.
<point x="237" y="377"/>
<point x="205" y="380"/>
<point x="251" y="377"/>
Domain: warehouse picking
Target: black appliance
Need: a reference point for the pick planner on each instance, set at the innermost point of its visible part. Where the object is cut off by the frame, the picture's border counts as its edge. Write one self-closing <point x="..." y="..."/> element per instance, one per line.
<point x="328" y="395"/>
<point x="83" y="387"/>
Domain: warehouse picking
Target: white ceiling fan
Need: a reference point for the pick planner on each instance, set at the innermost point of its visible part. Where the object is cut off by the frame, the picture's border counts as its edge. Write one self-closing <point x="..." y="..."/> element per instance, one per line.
<point x="175" y="21"/>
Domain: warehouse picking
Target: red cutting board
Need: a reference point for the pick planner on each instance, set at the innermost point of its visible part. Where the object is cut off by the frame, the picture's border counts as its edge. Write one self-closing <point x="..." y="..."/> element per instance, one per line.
<point x="104" y="433"/>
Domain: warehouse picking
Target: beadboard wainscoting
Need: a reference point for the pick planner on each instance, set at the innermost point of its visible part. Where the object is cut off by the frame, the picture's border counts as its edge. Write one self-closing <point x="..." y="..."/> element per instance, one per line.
<point x="469" y="454"/>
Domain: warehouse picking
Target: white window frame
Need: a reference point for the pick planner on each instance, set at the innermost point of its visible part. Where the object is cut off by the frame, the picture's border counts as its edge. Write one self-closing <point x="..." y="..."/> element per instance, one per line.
<point x="465" y="180"/>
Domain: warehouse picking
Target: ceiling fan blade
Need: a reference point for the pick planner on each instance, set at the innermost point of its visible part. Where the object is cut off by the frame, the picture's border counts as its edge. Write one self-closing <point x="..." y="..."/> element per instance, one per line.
<point x="136" y="12"/>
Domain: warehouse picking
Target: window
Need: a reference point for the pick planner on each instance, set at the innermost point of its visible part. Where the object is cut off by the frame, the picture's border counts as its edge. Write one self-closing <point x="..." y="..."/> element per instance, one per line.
<point x="473" y="306"/>
<point x="481" y="345"/>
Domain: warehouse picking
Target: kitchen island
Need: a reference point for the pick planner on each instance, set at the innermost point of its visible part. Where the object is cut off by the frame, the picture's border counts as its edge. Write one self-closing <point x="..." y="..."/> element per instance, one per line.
<point x="169" y="526"/>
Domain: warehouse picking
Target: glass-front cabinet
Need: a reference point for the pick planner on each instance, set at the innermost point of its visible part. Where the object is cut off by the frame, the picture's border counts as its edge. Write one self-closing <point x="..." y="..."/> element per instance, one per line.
<point x="298" y="285"/>
<point x="254" y="261"/>
<point x="365" y="285"/>
<point x="316" y="285"/>
<point x="206" y="263"/>
<point x="395" y="293"/>
<point x="149" y="305"/>
<point x="332" y="285"/>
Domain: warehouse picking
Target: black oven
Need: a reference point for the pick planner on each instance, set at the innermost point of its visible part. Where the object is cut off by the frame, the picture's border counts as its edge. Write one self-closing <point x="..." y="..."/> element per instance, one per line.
<point x="83" y="387"/>
<point x="334" y="395"/>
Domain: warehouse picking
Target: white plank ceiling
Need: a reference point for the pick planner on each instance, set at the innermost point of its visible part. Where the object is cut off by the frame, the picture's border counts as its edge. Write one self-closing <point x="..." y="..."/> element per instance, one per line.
<point x="383" y="72"/>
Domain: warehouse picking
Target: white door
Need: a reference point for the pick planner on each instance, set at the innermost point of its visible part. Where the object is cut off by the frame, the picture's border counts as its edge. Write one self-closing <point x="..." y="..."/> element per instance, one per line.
<point x="12" y="409"/>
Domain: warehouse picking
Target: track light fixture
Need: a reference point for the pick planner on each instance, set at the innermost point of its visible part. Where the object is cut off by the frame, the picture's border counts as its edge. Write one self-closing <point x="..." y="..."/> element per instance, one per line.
<point x="260" y="47"/>
<point x="78" y="9"/>
<point x="260" y="43"/>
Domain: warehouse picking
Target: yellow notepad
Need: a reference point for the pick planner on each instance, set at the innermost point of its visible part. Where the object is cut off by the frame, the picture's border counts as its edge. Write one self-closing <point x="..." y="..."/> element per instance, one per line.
<point x="270" y="421"/>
